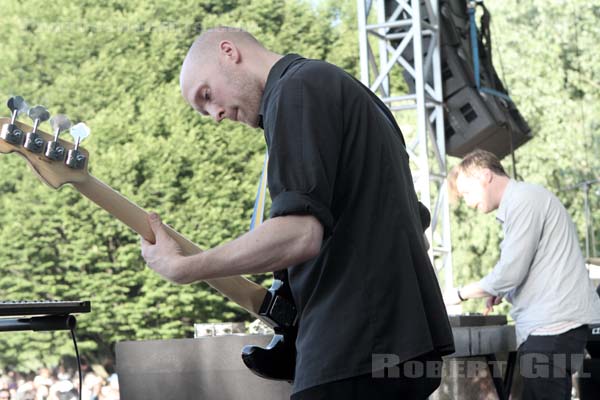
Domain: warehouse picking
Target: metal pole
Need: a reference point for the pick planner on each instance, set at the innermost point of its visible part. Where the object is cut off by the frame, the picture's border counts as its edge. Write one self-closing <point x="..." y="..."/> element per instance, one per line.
<point x="363" y="14"/>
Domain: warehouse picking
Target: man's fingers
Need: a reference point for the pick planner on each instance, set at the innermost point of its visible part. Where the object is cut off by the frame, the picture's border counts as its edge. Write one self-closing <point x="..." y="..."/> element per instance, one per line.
<point x="144" y="242"/>
<point x="144" y="245"/>
<point x="489" y="305"/>
<point x="154" y="219"/>
<point x="156" y="225"/>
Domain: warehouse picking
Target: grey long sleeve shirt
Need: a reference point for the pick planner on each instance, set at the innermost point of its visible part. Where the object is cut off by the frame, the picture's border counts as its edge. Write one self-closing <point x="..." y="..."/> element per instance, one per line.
<point x="541" y="270"/>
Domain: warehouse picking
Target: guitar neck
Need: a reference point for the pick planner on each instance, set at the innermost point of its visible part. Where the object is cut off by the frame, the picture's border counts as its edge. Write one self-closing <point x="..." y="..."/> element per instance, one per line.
<point x="245" y="293"/>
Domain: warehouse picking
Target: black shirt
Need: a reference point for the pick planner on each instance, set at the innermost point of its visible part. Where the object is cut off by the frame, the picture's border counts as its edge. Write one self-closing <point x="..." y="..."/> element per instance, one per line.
<point x="336" y="152"/>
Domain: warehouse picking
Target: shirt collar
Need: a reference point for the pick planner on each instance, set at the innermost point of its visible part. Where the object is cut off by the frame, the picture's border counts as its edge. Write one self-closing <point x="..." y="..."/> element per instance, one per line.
<point x="276" y="72"/>
<point x="501" y="213"/>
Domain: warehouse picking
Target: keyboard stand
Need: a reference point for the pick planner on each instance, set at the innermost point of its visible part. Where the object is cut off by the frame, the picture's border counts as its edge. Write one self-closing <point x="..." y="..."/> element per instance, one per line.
<point x="43" y="323"/>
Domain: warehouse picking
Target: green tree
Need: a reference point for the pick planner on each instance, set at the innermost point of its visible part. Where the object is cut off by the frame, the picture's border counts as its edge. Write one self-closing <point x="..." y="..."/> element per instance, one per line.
<point x="116" y="65"/>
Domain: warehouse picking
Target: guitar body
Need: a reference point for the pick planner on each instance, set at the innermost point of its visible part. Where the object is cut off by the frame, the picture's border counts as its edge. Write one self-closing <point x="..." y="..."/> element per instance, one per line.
<point x="277" y="361"/>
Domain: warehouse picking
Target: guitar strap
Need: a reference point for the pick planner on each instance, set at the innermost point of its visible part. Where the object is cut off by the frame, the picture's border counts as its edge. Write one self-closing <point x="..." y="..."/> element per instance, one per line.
<point x="261" y="195"/>
<point x="259" y="211"/>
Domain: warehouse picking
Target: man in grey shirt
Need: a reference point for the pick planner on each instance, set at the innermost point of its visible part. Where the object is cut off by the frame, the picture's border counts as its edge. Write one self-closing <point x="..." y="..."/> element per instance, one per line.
<point x="541" y="271"/>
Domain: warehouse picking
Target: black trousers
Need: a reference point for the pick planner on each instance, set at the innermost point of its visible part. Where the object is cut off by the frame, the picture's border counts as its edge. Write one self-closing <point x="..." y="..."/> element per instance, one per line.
<point x="547" y="363"/>
<point x="391" y="387"/>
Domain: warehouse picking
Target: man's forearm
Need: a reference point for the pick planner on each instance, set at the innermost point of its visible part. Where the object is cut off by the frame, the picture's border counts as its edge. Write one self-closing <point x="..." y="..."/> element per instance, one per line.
<point x="473" y="291"/>
<point x="276" y="244"/>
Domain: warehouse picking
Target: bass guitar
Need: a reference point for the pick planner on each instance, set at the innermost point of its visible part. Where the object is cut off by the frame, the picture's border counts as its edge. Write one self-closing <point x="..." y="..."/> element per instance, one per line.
<point x="57" y="162"/>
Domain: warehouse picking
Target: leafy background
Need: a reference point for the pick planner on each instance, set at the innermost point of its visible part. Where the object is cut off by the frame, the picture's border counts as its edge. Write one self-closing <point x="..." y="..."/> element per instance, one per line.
<point x="115" y="65"/>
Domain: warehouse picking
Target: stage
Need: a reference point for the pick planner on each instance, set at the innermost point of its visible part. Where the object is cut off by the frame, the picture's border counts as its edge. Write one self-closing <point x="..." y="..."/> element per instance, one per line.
<point x="211" y="367"/>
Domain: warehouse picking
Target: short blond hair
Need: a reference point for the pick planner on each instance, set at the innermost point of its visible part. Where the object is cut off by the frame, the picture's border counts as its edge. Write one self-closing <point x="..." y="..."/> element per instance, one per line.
<point x="474" y="161"/>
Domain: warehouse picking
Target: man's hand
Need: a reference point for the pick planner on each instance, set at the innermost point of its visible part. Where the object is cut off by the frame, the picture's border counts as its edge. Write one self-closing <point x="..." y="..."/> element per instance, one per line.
<point x="164" y="256"/>
<point x="471" y="291"/>
<point x="451" y="297"/>
<point x="490" y="303"/>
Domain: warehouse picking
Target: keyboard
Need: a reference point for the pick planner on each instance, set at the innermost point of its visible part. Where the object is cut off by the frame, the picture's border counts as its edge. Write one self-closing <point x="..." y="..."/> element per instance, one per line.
<point x="43" y="307"/>
<point x="470" y="320"/>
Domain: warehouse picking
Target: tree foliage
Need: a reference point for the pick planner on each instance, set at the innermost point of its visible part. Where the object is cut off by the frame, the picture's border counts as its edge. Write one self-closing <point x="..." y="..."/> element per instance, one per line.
<point x="115" y="65"/>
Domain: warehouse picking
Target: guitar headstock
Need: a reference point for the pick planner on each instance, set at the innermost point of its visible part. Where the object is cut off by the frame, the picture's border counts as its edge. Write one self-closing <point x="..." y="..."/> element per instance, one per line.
<point x="54" y="160"/>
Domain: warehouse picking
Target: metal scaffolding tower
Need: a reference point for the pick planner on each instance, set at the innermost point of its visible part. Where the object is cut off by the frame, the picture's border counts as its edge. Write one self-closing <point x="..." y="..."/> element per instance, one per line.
<point x="398" y="30"/>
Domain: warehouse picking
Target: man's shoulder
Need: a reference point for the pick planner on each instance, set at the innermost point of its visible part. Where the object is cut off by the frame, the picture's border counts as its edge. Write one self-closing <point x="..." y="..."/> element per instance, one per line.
<point x="526" y="191"/>
<point x="304" y="66"/>
<point x="312" y="81"/>
<point x="314" y="74"/>
<point x="529" y="197"/>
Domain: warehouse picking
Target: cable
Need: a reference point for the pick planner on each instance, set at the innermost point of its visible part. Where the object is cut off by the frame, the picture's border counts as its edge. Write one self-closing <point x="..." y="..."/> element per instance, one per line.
<point x="78" y="361"/>
<point x="487" y="49"/>
<point x="512" y="152"/>
<point x="495" y="82"/>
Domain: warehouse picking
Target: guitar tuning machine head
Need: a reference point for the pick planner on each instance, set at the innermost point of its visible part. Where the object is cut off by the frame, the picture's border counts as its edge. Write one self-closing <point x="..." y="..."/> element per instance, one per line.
<point x="10" y="132"/>
<point x="54" y="150"/>
<point x="33" y="140"/>
<point x="75" y="158"/>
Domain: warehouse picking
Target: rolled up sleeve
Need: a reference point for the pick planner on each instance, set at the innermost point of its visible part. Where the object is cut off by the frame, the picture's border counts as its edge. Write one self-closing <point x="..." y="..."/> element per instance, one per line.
<point x="290" y="203"/>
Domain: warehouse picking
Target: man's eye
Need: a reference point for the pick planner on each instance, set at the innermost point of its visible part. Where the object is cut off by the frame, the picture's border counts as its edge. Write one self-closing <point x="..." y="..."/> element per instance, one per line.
<point x="206" y="96"/>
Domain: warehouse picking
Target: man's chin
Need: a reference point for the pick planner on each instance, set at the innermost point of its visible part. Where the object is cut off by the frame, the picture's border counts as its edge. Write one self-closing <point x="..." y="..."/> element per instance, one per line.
<point x="251" y="124"/>
<point x="485" y="210"/>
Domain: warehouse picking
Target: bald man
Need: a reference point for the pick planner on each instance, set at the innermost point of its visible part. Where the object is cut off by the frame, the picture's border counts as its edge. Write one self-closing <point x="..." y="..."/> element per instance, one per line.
<point x="344" y="220"/>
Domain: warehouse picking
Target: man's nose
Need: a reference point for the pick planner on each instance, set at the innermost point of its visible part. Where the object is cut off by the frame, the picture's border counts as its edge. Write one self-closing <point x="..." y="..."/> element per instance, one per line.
<point x="218" y="113"/>
<point x="471" y="203"/>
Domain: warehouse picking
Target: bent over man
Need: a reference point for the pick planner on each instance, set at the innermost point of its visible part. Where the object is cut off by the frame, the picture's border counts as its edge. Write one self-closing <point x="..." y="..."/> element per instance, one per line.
<point x="344" y="219"/>
<point x="541" y="271"/>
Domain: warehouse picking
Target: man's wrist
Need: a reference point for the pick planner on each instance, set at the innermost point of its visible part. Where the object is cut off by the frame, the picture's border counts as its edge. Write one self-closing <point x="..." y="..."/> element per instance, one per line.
<point x="460" y="297"/>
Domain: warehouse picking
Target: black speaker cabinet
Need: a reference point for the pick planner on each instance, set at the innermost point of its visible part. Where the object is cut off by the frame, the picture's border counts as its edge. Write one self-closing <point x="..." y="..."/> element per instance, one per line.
<point x="454" y="23"/>
<point x="457" y="70"/>
<point x="468" y="122"/>
<point x="485" y="122"/>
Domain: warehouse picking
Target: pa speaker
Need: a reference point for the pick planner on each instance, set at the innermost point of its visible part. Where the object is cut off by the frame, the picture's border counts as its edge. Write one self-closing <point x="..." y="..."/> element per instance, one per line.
<point x="486" y="122"/>
<point x="457" y="71"/>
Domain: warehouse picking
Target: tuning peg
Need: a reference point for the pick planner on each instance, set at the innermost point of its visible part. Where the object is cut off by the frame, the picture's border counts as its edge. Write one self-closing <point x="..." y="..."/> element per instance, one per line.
<point x="75" y="159"/>
<point x="59" y="123"/>
<point x="33" y="141"/>
<point x="38" y="114"/>
<point x="54" y="150"/>
<point x="17" y="105"/>
<point x="79" y="132"/>
<point x="10" y="132"/>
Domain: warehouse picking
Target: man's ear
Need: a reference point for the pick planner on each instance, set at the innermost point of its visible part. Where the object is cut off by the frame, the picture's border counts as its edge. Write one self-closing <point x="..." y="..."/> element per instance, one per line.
<point x="229" y="51"/>
<point x="486" y="176"/>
